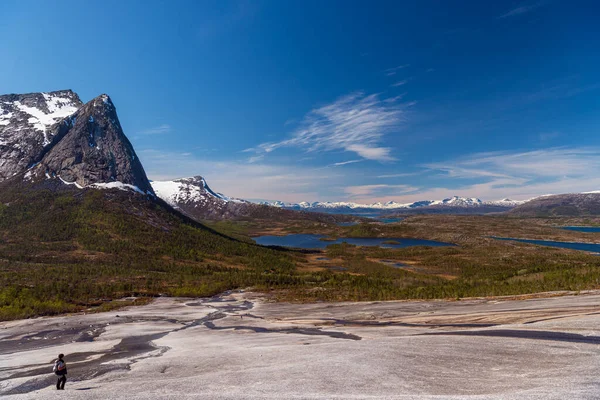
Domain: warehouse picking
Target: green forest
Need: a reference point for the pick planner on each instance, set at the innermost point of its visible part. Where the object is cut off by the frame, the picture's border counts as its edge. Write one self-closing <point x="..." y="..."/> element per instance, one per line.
<point x="73" y="250"/>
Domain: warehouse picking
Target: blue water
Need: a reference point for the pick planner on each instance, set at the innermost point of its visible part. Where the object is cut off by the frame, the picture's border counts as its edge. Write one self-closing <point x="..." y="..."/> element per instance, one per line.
<point x="394" y="264"/>
<point x="595" y="248"/>
<point x="582" y="228"/>
<point x="390" y="220"/>
<point x="309" y="241"/>
<point x="334" y="268"/>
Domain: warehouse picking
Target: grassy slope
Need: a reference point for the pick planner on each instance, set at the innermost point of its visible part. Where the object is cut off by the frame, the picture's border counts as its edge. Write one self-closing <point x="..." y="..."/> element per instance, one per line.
<point x="68" y="250"/>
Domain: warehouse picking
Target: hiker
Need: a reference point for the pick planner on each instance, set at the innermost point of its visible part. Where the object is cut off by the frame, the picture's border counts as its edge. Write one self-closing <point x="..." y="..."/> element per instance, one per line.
<point x="60" y="369"/>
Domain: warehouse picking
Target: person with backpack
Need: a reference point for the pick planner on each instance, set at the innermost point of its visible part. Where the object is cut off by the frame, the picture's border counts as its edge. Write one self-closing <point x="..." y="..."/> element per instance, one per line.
<point x="60" y="369"/>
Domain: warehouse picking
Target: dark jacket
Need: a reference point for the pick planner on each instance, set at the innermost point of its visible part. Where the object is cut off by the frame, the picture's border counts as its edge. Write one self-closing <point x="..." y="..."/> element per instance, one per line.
<point x="60" y="368"/>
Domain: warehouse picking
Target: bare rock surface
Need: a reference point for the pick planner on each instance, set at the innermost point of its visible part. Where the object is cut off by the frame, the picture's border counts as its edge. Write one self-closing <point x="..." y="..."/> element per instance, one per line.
<point x="240" y="346"/>
<point x="95" y="150"/>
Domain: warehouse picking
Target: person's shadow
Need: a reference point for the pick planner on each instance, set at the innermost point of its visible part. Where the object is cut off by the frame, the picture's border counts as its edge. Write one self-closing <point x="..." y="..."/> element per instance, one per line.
<point x="88" y="388"/>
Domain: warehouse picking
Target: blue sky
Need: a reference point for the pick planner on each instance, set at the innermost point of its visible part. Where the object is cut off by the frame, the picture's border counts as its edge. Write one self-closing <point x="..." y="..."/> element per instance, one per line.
<point x="336" y="100"/>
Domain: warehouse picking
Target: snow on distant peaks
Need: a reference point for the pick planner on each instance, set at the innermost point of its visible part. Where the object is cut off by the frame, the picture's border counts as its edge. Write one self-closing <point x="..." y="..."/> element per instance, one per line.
<point x="454" y="201"/>
<point x="193" y="190"/>
<point x="459" y="201"/>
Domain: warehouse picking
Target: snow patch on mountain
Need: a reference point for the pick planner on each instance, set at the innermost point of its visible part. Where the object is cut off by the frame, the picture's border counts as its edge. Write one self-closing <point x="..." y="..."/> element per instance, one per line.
<point x="28" y="124"/>
<point x="41" y="118"/>
<point x="117" y="185"/>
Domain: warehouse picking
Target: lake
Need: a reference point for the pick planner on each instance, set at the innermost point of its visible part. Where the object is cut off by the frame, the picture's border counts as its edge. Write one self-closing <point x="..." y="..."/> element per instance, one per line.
<point x="390" y="220"/>
<point x="393" y="263"/>
<point x="310" y="241"/>
<point x="593" y="247"/>
<point x="582" y="228"/>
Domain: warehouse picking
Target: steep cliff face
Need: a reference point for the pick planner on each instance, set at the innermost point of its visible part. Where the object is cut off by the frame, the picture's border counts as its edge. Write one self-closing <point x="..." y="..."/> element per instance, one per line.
<point x="55" y="136"/>
<point x="29" y="125"/>
<point x="94" y="150"/>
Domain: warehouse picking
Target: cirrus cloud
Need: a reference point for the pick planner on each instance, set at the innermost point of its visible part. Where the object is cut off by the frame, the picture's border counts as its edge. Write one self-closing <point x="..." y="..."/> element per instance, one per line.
<point x="354" y="123"/>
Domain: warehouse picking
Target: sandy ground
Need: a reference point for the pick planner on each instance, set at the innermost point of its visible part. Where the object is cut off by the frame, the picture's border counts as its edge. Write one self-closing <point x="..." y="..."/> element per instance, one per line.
<point x="239" y="346"/>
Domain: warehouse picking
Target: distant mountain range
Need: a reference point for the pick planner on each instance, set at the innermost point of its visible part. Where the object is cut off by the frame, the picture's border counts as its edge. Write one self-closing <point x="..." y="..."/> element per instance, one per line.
<point x="54" y="140"/>
<point x="451" y="204"/>
<point x="195" y="198"/>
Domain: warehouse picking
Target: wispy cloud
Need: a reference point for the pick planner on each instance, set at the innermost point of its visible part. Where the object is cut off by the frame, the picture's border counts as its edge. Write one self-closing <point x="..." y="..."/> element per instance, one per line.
<point x="394" y="70"/>
<point x="521" y="175"/>
<point x="546" y="136"/>
<point x="157" y="130"/>
<point x="338" y="164"/>
<point x="565" y="88"/>
<point x="355" y="123"/>
<point x="521" y="9"/>
<point x="400" y="83"/>
<point x="493" y="175"/>
<point x="256" y="158"/>
<point x="368" y="192"/>
<point x="403" y="175"/>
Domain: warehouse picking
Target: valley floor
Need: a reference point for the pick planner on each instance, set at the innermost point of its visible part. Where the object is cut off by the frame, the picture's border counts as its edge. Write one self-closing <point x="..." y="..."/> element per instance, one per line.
<point x="240" y="346"/>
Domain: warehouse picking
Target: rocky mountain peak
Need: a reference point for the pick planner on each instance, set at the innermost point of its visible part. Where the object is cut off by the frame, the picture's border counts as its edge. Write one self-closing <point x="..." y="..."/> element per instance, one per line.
<point x="94" y="150"/>
<point x="190" y="192"/>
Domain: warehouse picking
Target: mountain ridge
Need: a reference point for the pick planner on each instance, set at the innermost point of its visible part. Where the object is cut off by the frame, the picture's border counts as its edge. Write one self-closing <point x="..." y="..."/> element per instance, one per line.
<point x="194" y="197"/>
<point x="569" y="204"/>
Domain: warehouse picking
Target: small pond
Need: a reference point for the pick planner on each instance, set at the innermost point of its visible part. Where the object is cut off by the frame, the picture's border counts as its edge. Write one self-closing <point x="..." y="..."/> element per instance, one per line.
<point x="593" y="247"/>
<point x="310" y="241"/>
<point x="582" y="228"/>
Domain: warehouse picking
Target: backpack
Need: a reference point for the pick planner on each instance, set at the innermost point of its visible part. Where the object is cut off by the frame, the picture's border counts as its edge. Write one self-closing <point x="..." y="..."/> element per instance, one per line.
<point x="59" y="368"/>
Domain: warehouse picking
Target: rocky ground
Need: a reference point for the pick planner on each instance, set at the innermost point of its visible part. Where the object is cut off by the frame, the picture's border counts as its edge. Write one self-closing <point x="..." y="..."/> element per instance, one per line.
<point x="240" y="346"/>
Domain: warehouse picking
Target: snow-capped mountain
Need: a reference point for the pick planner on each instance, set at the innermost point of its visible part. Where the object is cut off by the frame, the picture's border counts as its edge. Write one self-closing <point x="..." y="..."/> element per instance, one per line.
<point x="195" y="198"/>
<point x="193" y="191"/>
<point x="451" y="202"/>
<point x="54" y="136"/>
<point x="506" y="202"/>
